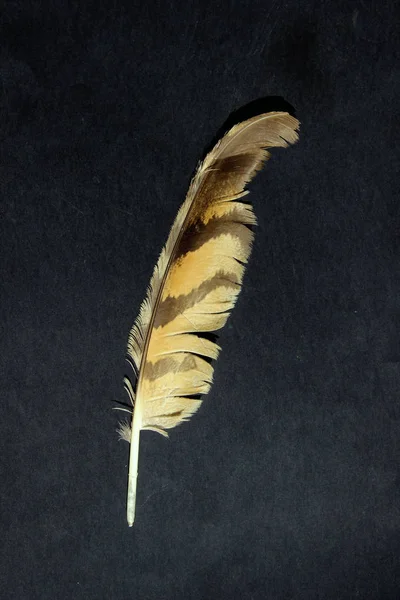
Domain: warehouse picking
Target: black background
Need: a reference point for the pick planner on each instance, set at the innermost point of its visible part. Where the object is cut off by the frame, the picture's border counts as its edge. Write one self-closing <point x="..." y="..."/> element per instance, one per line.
<point x="286" y="483"/>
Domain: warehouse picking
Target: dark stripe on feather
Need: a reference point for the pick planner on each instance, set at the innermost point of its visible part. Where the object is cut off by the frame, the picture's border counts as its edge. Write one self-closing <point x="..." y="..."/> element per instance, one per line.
<point x="200" y="233"/>
<point x="170" y="308"/>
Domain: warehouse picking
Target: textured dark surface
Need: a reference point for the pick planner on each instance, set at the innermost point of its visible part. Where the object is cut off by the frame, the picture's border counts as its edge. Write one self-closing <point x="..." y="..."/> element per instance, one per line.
<point x="286" y="484"/>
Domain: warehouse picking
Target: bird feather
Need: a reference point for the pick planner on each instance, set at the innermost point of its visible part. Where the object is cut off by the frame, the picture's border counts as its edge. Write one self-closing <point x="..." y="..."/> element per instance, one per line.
<point x="195" y="284"/>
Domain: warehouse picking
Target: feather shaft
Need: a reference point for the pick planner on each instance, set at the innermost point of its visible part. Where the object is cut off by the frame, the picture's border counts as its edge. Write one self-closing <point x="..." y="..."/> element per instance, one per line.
<point x="133" y="466"/>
